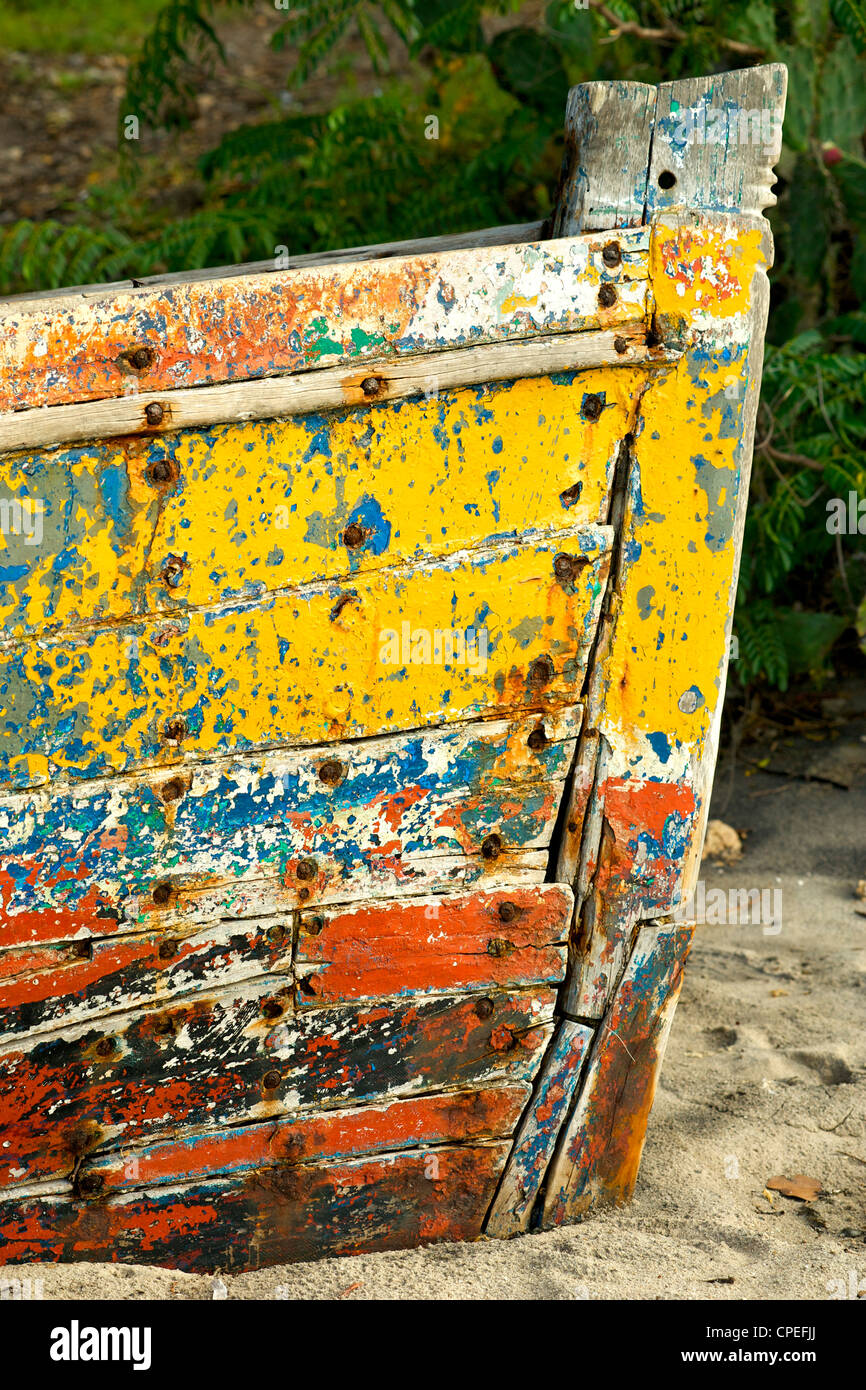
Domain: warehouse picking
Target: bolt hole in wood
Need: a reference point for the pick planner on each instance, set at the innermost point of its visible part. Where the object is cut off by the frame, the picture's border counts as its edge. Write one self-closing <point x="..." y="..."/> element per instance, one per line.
<point x="162" y="894"/>
<point x="667" y="179"/>
<point x="492" y="847"/>
<point x="331" y="773"/>
<point x="172" y="790"/>
<point x="159" y="473"/>
<point x="175" y="729"/>
<point x="537" y="740"/>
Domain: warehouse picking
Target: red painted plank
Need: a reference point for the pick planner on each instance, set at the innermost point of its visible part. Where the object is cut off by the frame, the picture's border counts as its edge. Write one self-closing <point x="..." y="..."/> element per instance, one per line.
<point x="307" y="1138"/>
<point x="271" y="1216"/>
<point x="510" y="938"/>
<point x="242" y="1054"/>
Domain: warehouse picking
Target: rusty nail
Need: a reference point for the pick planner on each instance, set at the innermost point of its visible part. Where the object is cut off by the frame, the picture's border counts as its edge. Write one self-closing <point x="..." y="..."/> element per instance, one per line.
<point x="175" y="729"/>
<point x="173" y="790"/>
<point x="331" y="773"/>
<point x="592" y="407"/>
<point x="537" y="739"/>
<point x="167" y="949"/>
<point x="607" y="296"/>
<point x="492" y="847"/>
<point x="153" y="413"/>
<point x="498" y="947"/>
<point x="90" y="1184"/>
<point x="271" y="1080"/>
<point x="563" y="567"/>
<point x="162" y="893"/>
<point x="508" y="912"/>
<point x="372" y="385"/>
<point x="307" y="869"/>
<point x="541" y="671"/>
<point x="484" y="1008"/>
<point x="276" y="933"/>
<point x="104" y="1047"/>
<point x="353" y="536"/>
<point x="160" y="472"/>
<point x="620" y="345"/>
<point x="82" y="950"/>
<point x="140" y="358"/>
<point x="314" y="926"/>
<point x="612" y="254"/>
<point x="171" y="575"/>
<point x="571" y="494"/>
<point x="272" y="1009"/>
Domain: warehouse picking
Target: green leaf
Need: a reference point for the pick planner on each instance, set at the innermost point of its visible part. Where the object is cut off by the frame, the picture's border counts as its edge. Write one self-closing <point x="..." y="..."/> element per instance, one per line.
<point x="850" y="15"/>
<point x="842" y="99"/>
<point x="808" y="638"/>
<point x="529" y="66"/>
<point x="809" y="219"/>
<point x="800" y="106"/>
<point x="449" y="24"/>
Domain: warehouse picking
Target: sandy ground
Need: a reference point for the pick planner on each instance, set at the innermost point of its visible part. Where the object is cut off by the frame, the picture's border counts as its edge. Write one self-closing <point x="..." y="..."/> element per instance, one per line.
<point x="765" y="1075"/>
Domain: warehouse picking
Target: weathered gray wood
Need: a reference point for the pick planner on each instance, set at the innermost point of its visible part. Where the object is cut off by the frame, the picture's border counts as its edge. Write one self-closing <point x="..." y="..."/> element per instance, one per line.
<point x="718" y="138"/>
<point x="608" y="130"/>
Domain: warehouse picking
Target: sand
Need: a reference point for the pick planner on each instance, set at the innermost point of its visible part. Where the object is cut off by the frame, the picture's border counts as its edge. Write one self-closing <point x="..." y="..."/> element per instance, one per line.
<point x="765" y="1075"/>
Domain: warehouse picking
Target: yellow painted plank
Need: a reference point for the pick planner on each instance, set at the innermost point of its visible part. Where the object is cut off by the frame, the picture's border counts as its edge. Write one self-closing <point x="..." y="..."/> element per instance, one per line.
<point x="326" y="662"/>
<point x="255" y="507"/>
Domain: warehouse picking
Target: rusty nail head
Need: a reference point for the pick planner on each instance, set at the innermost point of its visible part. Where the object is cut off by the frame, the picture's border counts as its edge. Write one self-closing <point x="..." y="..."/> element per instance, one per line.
<point x="607" y="296"/>
<point x="372" y="385"/>
<point x="307" y="869"/>
<point x="104" y="1047"/>
<point x="90" y="1184"/>
<point x="541" y="671"/>
<point x="620" y="345"/>
<point x="563" y="567"/>
<point x="492" y="847"/>
<point x="612" y="253"/>
<point x="331" y="773"/>
<point x="275" y="933"/>
<point x="140" y="358"/>
<point x="82" y="950"/>
<point x="508" y="912"/>
<point x="498" y="947"/>
<point x="537" y="739"/>
<point x="315" y="925"/>
<point x="484" y="1008"/>
<point x="173" y="790"/>
<point x="160" y="471"/>
<point x="167" y="949"/>
<point x="592" y="407"/>
<point x="153" y="413"/>
<point x="353" y="536"/>
<point x="271" y="1080"/>
<point x="175" y="729"/>
<point x="162" y="893"/>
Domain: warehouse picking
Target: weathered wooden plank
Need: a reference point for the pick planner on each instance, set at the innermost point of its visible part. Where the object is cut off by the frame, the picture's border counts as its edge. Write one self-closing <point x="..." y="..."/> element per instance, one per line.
<point x="509" y="235"/>
<point x="150" y="416"/>
<point x="406" y="813"/>
<point x="43" y="987"/>
<point x="510" y="938"/>
<point x="210" y="331"/>
<point x="716" y="140"/>
<point x="555" y="1087"/>
<point x="253" y="508"/>
<point x="685" y="499"/>
<point x="306" y="1137"/>
<point x="608" y="134"/>
<point x="270" y="1217"/>
<point x="322" y="663"/>
<point x="600" y="1148"/>
<point x="241" y="1054"/>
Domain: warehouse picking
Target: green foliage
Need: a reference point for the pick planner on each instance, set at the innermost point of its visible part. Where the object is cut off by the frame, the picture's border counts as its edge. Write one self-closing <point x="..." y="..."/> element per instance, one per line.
<point x="375" y="167"/>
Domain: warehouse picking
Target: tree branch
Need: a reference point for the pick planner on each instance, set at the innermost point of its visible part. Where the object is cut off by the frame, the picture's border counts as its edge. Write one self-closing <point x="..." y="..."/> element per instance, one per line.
<point x="671" y="33"/>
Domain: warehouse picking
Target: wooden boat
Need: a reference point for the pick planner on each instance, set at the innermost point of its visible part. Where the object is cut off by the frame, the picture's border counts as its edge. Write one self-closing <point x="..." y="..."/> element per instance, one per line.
<point x="365" y="636"/>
